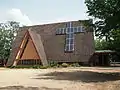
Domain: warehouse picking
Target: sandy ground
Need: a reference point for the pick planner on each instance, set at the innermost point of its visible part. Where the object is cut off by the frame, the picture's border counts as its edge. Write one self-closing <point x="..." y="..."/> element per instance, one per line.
<point x="83" y="78"/>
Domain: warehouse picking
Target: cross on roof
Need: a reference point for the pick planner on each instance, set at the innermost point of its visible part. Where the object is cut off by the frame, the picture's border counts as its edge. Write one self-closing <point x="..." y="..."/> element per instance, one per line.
<point x="69" y="31"/>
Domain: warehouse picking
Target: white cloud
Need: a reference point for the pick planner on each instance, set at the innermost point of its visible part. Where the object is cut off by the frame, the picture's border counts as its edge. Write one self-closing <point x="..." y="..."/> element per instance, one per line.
<point x="17" y="15"/>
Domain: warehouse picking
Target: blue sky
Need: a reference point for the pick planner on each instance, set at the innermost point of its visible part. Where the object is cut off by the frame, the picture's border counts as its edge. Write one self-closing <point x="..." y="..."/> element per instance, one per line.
<point x="30" y="12"/>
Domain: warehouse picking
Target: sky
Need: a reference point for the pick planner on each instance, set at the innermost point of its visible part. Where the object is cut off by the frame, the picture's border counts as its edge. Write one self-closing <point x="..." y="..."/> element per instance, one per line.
<point x="32" y="12"/>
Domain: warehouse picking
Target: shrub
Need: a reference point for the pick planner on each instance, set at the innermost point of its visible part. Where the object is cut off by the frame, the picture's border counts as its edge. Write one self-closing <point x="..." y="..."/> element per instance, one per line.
<point x="36" y="66"/>
<point x="64" y="65"/>
<point x="44" y="67"/>
<point x="75" y="65"/>
<point x="53" y="63"/>
<point x="11" y="66"/>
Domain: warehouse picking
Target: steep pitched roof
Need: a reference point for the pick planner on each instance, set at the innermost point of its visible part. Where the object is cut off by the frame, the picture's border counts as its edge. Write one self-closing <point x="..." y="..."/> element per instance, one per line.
<point x="15" y="46"/>
<point x="54" y="44"/>
<point x="39" y="46"/>
<point x="36" y="38"/>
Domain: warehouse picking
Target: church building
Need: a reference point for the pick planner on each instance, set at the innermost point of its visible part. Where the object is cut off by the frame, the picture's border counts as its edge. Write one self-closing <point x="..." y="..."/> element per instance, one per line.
<point x="67" y="42"/>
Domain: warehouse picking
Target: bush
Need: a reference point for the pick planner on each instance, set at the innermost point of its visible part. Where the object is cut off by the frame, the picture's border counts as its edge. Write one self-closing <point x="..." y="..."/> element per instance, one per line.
<point x="53" y="64"/>
<point x="75" y="65"/>
<point x="36" y="66"/>
<point x="64" y="65"/>
<point x="44" y="67"/>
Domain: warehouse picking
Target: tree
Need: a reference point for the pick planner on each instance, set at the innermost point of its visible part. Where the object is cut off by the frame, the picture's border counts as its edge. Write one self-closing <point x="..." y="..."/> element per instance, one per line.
<point x="108" y="13"/>
<point x="8" y="31"/>
<point x="101" y="44"/>
<point x="108" y="24"/>
<point x="114" y="41"/>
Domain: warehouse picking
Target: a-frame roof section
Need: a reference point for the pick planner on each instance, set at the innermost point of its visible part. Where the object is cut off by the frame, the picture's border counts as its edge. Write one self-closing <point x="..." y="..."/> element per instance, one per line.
<point x="28" y="50"/>
<point x="36" y="38"/>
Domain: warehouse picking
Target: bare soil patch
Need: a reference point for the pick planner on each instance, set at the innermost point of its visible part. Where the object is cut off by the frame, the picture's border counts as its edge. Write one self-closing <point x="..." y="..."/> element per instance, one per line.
<point x="83" y="78"/>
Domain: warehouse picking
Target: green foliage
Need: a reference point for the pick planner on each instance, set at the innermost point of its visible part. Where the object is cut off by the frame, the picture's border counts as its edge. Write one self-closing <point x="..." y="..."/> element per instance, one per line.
<point x="8" y="32"/>
<point x="108" y="14"/>
<point x="53" y="63"/>
<point x="75" y="65"/>
<point x="114" y="41"/>
<point x="101" y="44"/>
<point x="65" y="65"/>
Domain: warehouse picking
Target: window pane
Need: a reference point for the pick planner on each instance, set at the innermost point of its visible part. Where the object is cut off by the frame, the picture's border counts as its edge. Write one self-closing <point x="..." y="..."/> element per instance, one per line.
<point x="67" y="30"/>
<point x="72" y="47"/>
<point x="69" y="24"/>
<point x="67" y="41"/>
<point x="80" y="29"/>
<point x="62" y="31"/>
<point x="67" y="36"/>
<point x="71" y="35"/>
<point x="71" y="30"/>
<point x="57" y="31"/>
<point x="75" y="29"/>
<point x="66" y="47"/>
<point x="69" y="47"/>
<point x="71" y="41"/>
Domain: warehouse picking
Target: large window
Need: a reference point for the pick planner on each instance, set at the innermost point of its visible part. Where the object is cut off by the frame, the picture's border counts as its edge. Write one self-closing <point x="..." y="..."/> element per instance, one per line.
<point x="29" y="62"/>
<point x="69" y="31"/>
<point x="60" y="31"/>
<point x="69" y="45"/>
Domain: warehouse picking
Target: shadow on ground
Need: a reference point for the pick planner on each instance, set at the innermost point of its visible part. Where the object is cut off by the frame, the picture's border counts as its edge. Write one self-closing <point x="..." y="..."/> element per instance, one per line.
<point x="82" y="76"/>
<point x="27" y="88"/>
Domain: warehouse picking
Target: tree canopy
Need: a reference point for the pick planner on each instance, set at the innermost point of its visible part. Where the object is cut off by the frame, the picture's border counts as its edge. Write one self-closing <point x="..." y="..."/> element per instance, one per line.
<point x="108" y="13"/>
<point x="101" y="44"/>
<point x="8" y="32"/>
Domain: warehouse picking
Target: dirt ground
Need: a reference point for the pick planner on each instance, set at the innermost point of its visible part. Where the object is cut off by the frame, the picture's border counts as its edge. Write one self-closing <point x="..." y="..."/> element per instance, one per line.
<point x="82" y="78"/>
